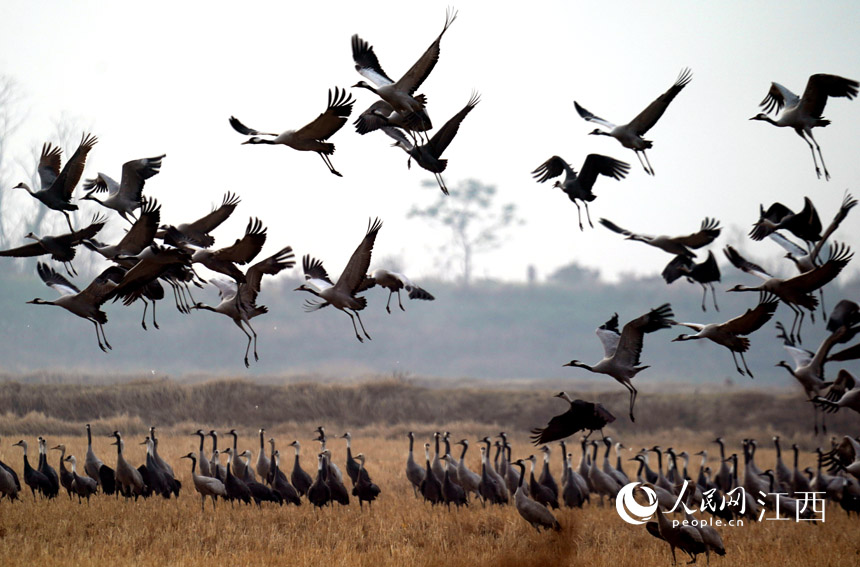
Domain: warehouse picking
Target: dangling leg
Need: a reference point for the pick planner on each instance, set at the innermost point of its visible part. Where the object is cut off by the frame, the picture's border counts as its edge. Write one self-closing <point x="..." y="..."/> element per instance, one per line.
<point x="143" y="319"/>
<point x="104" y="337"/>
<point x="791" y="335"/>
<point x="812" y="150"/>
<point x="650" y="168"/>
<point x="578" y="215"/>
<point x="821" y="295"/>
<point x="154" y="323"/>
<point x="749" y="373"/>
<point x="735" y="359"/>
<point x="645" y="167"/>
<point x="357" y="316"/>
<point x="400" y="303"/>
<point x="587" y="214"/>
<point x="633" y="394"/>
<point x="68" y="220"/>
<point x="256" y="358"/>
<point x="714" y="294"/>
<point x="248" y="346"/>
<point x="361" y="340"/>
<point x="704" y="296"/>
<point x="817" y="147"/>
<point x="441" y="183"/>
<point x="98" y="337"/>
<point x="328" y="164"/>
<point x="387" y="308"/>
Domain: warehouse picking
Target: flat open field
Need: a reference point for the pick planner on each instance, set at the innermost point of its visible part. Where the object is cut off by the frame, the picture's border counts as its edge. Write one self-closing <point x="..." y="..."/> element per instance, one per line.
<point x="398" y="530"/>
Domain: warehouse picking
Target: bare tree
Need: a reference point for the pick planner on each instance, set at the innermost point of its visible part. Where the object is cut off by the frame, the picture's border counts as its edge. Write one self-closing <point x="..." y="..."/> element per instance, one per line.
<point x="476" y="222"/>
<point x="11" y="118"/>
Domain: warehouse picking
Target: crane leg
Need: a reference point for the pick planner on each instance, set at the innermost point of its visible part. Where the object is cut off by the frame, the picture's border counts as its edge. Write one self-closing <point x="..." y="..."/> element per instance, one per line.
<point x="817" y="147"/>
<point x="388" y="303"/>
<point x="253" y="332"/>
<point x="735" y="359"/>
<point x="587" y="214"/>
<point x="812" y="150"/>
<point x="633" y="394"/>
<point x="143" y="319"/>
<point x="69" y="221"/>
<point x="744" y="360"/>
<point x="578" y="215"/>
<point x="328" y="164"/>
<point x="248" y="346"/>
<point x="357" y="316"/>
<point x="399" y="302"/>
<point x="104" y="337"/>
<point x="441" y="183"/>
<point x="714" y="294"/>
<point x="154" y="323"/>
<point x="361" y="340"/>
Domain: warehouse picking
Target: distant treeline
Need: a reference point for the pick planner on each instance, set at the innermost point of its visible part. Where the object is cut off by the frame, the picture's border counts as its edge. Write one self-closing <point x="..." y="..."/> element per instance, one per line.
<point x="490" y="330"/>
<point x="386" y="405"/>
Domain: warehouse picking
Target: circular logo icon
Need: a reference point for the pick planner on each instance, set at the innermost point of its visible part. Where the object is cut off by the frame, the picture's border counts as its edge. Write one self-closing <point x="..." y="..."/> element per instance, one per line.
<point x="631" y="511"/>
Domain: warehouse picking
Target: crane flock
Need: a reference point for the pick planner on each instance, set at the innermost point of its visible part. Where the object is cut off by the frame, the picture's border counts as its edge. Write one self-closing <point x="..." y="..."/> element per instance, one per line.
<point x="152" y="254"/>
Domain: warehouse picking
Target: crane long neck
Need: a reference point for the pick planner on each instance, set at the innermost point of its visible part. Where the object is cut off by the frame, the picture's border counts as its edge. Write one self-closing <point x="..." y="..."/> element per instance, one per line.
<point x="262" y="442"/>
<point x="411" y="444"/>
<point x="463" y="454"/>
<point x="89" y="438"/>
<point x="201" y="442"/>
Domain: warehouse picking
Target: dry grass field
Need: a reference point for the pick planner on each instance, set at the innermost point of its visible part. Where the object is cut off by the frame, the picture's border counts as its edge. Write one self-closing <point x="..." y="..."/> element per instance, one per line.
<point x="399" y="530"/>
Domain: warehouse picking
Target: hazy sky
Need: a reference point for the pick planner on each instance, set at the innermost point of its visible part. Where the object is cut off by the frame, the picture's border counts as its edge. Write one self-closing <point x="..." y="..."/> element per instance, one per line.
<point x="163" y="77"/>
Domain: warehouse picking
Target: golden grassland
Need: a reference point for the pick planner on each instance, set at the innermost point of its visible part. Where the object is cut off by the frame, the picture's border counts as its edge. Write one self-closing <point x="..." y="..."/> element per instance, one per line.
<point x="399" y="529"/>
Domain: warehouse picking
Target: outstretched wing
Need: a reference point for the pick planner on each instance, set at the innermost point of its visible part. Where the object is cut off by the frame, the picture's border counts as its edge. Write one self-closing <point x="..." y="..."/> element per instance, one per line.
<point x="821" y="86"/>
<point x="589" y="117"/>
<point x="753" y="319"/>
<point x="281" y="260"/>
<point x="49" y="164"/>
<point x="632" y="335"/>
<point x="708" y="232"/>
<point x="69" y="177"/>
<point x="553" y="167"/>
<point x="646" y="119"/>
<point x="416" y="74"/>
<point x="56" y="281"/>
<point x="743" y="264"/>
<point x="242" y="129"/>
<point x="135" y="173"/>
<point x="246" y="248"/>
<point x="596" y="164"/>
<point x="609" y="335"/>
<point x="338" y="110"/>
<point x="446" y="133"/>
<point x="367" y="64"/>
<point x="778" y="97"/>
<point x="356" y="269"/>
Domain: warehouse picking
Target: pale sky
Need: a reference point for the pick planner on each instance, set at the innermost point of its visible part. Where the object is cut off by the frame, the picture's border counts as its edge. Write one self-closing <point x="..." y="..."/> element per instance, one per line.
<point x="164" y="77"/>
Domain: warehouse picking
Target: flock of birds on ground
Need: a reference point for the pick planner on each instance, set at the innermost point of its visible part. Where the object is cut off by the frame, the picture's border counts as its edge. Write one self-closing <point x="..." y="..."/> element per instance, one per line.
<point x="152" y="254"/>
<point x="445" y="479"/>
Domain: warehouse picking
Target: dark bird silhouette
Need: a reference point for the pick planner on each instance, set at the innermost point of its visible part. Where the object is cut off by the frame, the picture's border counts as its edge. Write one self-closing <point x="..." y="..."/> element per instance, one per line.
<point x="400" y="94"/>
<point x="197" y="232"/>
<point x="704" y="273"/>
<point x="581" y="415"/>
<point x="677" y="245"/>
<point x="126" y="196"/>
<point x="630" y="134"/>
<point x="578" y="187"/>
<point x="804" y="224"/>
<point x="342" y="294"/>
<point x="85" y="304"/>
<point x="428" y="155"/>
<point x="804" y="113"/>
<point x="58" y="185"/>
<point x="728" y="334"/>
<point x="622" y="350"/>
<point x="62" y="248"/>
<point x="796" y="292"/>
<point x="311" y="137"/>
